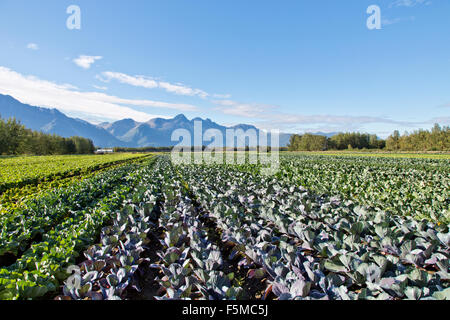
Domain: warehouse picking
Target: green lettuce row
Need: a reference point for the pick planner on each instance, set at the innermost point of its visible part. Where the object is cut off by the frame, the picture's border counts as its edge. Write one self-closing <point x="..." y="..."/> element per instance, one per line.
<point x="39" y="215"/>
<point x="13" y="199"/>
<point x="22" y="171"/>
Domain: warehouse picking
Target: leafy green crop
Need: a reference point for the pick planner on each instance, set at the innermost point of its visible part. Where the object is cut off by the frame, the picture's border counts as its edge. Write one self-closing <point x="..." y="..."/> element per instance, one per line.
<point x="419" y="188"/>
<point x="21" y="171"/>
<point x="322" y="228"/>
<point x="40" y="268"/>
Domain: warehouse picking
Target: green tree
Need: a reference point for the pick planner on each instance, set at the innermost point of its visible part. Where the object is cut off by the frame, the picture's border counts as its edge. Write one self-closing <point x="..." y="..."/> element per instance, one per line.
<point x="16" y="139"/>
<point x="307" y="142"/>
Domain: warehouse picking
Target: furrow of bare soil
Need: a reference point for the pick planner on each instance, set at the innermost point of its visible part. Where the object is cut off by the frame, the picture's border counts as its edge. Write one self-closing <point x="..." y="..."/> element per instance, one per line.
<point x="144" y="285"/>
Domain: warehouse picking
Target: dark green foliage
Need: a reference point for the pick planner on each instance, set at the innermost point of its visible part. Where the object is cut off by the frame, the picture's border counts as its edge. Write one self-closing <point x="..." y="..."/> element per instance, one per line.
<point x="308" y="142"/>
<point x="341" y="141"/>
<point x="356" y="140"/>
<point x="438" y="139"/>
<point x="16" y="139"/>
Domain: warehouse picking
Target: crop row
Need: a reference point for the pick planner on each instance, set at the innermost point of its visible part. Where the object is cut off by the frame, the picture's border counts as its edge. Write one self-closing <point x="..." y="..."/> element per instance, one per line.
<point x="21" y="171"/>
<point x="110" y="264"/>
<point x="228" y="232"/>
<point x="418" y="188"/>
<point x="321" y="248"/>
<point x="41" y="267"/>
<point x="212" y="224"/>
<point x="190" y="265"/>
<point x="39" y="215"/>
<point x="16" y="198"/>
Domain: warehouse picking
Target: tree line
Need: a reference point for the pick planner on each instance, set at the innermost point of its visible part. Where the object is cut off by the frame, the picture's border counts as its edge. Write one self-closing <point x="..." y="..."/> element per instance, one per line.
<point x="16" y="139"/>
<point x="438" y="139"/>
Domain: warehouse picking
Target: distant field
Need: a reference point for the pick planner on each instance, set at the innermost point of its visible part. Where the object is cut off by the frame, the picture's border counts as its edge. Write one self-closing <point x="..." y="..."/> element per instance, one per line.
<point x="24" y="170"/>
<point x="376" y="154"/>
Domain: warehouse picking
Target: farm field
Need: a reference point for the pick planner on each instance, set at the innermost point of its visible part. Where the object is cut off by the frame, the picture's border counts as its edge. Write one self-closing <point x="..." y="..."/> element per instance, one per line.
<point x="29" y="177"/>
<point x="324" y="227"/>
<point x="414" y="187"/>
<point x="377" y="154"/>
<point x="21" y="171"/>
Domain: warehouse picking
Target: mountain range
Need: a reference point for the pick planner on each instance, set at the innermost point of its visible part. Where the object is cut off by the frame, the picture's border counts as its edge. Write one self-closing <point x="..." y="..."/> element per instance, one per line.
<point x="123" y="133"/>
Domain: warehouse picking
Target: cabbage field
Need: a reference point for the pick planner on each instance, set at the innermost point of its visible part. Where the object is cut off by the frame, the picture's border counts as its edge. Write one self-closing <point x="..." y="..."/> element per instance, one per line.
<point x="326" y="227"/>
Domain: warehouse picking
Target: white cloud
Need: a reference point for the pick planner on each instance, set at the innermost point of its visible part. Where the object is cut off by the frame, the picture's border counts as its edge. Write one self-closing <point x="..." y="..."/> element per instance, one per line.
<point x="182" y="90"/>
<point x="248" y="110"/>
<point x="387" y="21"/>
<point x="93" y="106"/>
<point x="32" y="46"/>
<point x="441" y="120"/>
<point x="329" y="119"/>
<point x="221" y="96"/>
<point x="85" y="62"/>
<point x="137" y="81"/>
<point x="100" y="87"/>
<point x="409" y="3"/>
<point x="296" y="123"/>
<point x="151" y="83"/>
<point x="268" y="117"/>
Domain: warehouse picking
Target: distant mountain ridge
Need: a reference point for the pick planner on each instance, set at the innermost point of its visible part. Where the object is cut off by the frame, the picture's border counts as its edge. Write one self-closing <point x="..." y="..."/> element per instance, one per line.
<point x="53" y="121"/>
<point x="123" y="133"/>
<point x="158" y="132"/>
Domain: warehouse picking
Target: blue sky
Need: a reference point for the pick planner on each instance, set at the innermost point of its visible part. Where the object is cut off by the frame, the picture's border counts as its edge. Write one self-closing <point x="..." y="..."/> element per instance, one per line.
<point x="291" y="65"/>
